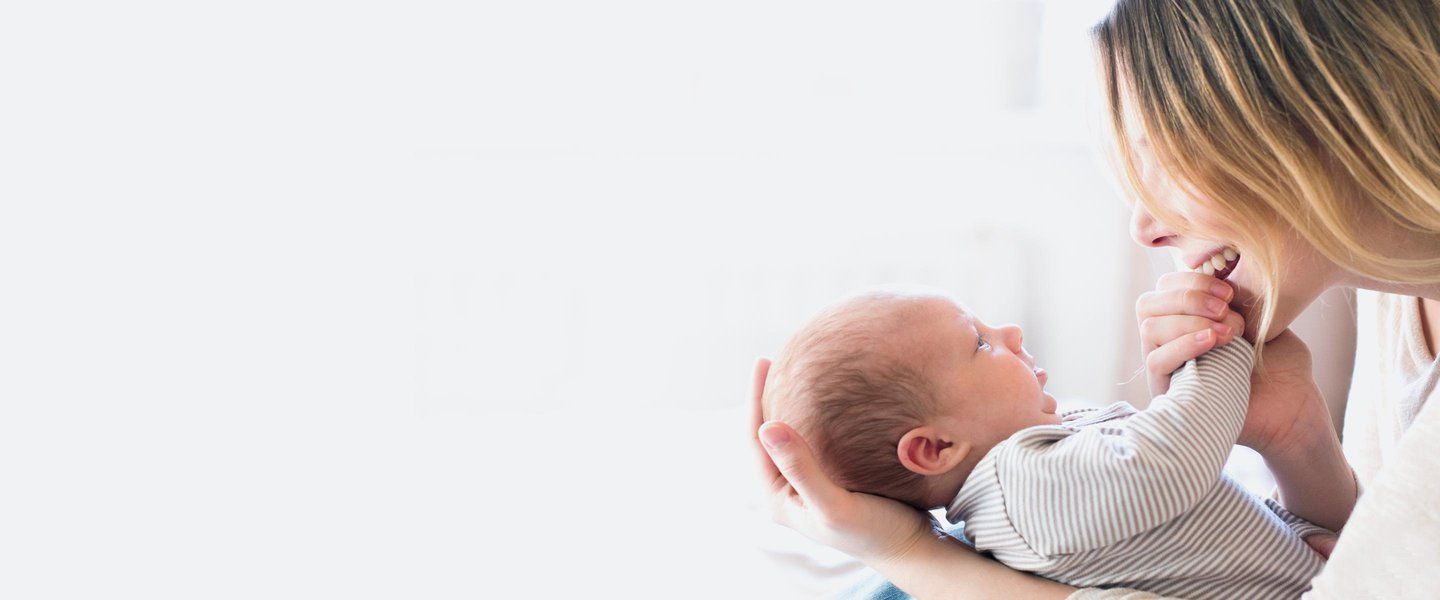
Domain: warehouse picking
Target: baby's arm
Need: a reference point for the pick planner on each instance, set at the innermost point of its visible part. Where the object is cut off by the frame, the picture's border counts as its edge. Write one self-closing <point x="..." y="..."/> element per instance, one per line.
<point x="1299" y="525"/>
<point x="1109" y="482"/>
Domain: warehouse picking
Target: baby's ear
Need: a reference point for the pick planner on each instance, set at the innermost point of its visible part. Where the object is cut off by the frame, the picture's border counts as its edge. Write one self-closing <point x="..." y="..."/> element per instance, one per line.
<point x="926" y="451"/>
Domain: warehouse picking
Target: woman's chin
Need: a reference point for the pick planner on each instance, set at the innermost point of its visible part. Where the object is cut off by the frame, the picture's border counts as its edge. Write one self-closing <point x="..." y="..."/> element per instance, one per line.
<point x="1247" y="299"/>
<point x="1295" y="295"/>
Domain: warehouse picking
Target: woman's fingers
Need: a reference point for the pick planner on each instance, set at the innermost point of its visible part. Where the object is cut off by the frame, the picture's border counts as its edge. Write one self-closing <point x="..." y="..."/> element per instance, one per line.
<point x="757" y="394"/>
<point x="785" y="460"/>
<point x="782" y="493"/>
<point x="768" y="472"/>
<point x="798" y="465"/>
<point x="1165" y="359"/>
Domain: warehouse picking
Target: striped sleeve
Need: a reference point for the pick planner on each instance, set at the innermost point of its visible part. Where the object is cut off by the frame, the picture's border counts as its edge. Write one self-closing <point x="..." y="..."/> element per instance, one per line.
<point x="1300" y="526"/>
<point x="1114" y="594"/>
<point x="1113" y="480"/>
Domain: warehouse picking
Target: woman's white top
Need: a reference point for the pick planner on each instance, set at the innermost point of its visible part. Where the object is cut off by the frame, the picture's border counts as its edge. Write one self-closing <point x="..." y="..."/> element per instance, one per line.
<point x="1408" y="377"/>
<point x="1391" y="546"/>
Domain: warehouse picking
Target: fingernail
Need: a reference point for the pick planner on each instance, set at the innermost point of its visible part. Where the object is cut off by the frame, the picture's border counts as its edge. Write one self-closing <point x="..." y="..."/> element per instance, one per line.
<point x="1221" y="329"/>
<point x="1216" y="306"/>
<point x="774" y="437"/>
<point x="1222" y="290"/>
<point x="1203" y="336"/>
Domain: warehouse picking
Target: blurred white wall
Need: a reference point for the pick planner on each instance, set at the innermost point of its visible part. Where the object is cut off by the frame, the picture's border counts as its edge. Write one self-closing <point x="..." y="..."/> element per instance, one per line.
<point x="627" y="213"/>
<point x="671" y="311"/>
<point x="315" y="298"/>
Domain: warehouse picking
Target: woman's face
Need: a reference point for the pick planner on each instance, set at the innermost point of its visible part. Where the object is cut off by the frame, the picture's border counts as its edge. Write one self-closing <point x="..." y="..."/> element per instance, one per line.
<point x="1305" y="273"/>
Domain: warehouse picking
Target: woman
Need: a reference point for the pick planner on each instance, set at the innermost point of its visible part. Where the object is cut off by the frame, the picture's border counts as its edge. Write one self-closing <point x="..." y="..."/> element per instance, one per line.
<point x="1305" y="134"/>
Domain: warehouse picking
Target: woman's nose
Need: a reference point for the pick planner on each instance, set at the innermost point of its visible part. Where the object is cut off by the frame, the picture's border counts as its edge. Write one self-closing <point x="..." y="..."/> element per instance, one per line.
<point x="1147" y="231"/>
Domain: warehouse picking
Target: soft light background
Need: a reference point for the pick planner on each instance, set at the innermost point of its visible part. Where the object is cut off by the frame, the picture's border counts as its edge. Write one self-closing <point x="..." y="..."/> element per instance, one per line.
<point x="429" y="299"/>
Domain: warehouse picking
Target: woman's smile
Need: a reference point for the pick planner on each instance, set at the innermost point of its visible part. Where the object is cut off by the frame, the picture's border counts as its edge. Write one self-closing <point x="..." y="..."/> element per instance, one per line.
<point x="1220" y="263"/>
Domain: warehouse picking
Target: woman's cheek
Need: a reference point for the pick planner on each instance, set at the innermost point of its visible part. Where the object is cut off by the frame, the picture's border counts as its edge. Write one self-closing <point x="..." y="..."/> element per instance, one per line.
<point x="1299" y="286"/>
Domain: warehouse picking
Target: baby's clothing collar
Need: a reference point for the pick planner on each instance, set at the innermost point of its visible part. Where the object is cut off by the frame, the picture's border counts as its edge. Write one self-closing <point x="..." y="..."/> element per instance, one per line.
<point x="978" y="481"/>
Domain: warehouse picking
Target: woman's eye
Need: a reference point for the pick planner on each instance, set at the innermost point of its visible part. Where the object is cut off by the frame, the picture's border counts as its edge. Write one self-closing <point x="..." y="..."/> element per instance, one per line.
<point x="980" y="342"/>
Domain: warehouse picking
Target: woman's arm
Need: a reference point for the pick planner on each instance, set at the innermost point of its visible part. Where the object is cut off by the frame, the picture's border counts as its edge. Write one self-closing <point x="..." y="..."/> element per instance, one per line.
<point x="1314" y="480"/>
<point x="892" y="538"/>
<point x="1290" y="426"/>
<point x="945" y="568"/>
<point x="1329" y="327"/>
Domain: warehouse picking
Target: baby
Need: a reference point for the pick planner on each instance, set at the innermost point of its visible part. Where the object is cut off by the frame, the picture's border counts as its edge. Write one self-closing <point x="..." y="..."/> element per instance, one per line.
<point x="905" y="394"/>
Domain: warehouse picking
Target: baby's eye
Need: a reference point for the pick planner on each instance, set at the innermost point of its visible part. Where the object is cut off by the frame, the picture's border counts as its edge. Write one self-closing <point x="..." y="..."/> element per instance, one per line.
<point x="980" y="342"/>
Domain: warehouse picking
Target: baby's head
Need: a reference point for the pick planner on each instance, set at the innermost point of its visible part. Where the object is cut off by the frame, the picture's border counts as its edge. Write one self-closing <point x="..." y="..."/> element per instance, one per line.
<point x="900" y="392"/>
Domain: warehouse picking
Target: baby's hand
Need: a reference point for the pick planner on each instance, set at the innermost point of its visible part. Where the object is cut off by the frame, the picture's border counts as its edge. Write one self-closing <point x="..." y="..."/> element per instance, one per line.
<point x="1186" y="316"/>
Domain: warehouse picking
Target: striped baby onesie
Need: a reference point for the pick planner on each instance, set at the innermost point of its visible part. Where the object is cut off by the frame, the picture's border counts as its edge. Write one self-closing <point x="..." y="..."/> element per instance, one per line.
<point x="1116" y="497"/>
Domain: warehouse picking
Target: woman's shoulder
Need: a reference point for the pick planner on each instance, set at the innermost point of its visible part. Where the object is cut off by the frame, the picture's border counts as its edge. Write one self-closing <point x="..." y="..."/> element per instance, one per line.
<point x="1398" y="328"/>
<point x="1406" y="380"/>
<point x="1394" y="524"/>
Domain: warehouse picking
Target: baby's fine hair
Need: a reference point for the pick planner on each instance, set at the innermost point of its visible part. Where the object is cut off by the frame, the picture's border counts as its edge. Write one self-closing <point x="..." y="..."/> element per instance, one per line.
<point x="841" y="386"/>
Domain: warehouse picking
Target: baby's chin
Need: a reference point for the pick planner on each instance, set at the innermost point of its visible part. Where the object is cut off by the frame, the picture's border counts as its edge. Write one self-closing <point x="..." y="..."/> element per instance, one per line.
<point x="1052" y="407"/>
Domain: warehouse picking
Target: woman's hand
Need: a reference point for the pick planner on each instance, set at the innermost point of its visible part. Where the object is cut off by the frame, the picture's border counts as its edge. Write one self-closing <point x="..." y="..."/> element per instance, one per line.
<point x="1289" y="425"/>
<point x="1287" y="410"/>
<point x="1287" y="421"/>
<point x="1186" y="315"/>
<point x="802" y="497"/>
<point x="900" y="542"/>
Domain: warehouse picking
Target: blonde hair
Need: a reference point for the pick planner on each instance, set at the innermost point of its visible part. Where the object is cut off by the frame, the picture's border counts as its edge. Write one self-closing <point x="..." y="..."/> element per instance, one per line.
<point x="1255" y="106"/>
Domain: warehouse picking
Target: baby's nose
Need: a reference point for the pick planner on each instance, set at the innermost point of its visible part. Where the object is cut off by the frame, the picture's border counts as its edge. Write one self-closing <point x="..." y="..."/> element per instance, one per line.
<point x="1014" y="337"/>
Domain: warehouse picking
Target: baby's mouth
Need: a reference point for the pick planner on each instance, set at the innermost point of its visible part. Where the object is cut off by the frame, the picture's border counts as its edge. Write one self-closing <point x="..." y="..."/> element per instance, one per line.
<point x="1220" y="264"/>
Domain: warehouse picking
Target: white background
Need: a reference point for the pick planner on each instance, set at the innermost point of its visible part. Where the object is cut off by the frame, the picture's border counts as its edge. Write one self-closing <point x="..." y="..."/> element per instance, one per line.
<point x="323" y="299"/>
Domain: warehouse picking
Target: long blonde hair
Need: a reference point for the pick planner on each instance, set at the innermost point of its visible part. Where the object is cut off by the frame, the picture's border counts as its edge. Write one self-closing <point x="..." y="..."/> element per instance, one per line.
<point x="1269" y="111"/>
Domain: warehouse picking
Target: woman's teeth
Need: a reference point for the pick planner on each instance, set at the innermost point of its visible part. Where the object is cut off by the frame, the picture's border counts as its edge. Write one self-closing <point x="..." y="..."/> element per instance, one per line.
<point x="1218" y="263"/>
